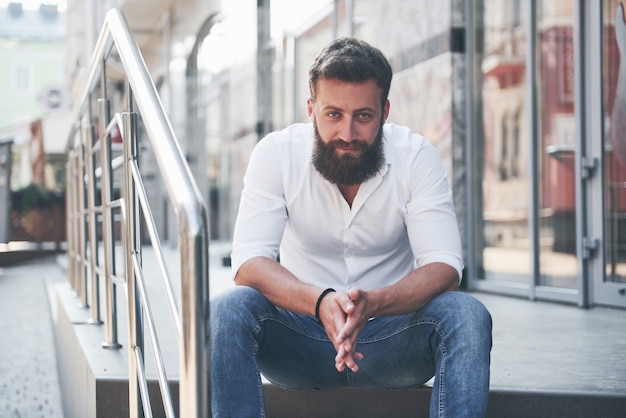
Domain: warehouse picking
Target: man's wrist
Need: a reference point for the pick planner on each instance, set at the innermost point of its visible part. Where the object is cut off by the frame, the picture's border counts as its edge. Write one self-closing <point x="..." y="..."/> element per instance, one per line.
<point x="319" y="302"/>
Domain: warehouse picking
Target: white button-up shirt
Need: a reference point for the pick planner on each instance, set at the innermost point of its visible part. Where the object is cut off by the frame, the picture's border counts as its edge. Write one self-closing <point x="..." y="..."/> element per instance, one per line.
<point x="400" y="219"/>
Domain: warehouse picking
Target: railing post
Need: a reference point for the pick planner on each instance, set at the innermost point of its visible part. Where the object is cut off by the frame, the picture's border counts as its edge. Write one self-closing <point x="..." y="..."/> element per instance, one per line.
<point x="70" y="215"/>
<point x="82" y="233"/>
<point x="106" y="184"/>
<point x="76" y="222"/>
<point x="92" y="216"/>
<point x="132" y="250"/>
<point x="194" y="398"/>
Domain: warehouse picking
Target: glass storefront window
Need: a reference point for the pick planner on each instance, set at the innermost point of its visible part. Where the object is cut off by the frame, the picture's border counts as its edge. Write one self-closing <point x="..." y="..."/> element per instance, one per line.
<point x="507" y="254"/>
<point x="222" y="116"/>
<point x="556" y="144"/>
<point x="505" y="180"/>
<point x="614" y="139"/>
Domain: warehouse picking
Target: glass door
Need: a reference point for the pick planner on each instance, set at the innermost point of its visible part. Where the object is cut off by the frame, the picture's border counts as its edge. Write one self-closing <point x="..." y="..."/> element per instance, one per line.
<point x="550" y="195"/>
<point x="504" y="259"/>
<point x="556" y="150"/>
<point x="529" y="209"/>
<point x="610" y="278"/>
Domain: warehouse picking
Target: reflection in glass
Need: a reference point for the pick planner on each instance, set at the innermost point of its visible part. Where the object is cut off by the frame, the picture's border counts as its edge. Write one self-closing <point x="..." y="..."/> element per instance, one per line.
<point x="614" y="92"/>
<point x="223" y="117"/>
<point x="556" y="144"/>
<point x="506" y="254"/>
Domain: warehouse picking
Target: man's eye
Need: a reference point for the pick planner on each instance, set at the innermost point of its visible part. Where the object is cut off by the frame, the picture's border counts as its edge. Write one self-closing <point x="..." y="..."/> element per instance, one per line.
<point x="364" y="116"/>
<point x="333" y="114"/>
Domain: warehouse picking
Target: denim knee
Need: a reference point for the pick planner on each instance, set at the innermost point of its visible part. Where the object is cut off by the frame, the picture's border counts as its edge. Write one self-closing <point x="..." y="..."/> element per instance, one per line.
<point x="463" y="310"/>
<point x="472" y="308"/>
<point x="235" y="302"/>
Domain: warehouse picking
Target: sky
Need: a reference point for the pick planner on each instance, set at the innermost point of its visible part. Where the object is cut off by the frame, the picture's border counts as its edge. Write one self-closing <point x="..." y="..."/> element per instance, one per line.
<point x="34" y="4"/>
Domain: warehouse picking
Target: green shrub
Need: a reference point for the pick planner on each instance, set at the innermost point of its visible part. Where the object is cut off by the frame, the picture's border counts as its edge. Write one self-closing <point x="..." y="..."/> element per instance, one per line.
<point x="34" y="196"/>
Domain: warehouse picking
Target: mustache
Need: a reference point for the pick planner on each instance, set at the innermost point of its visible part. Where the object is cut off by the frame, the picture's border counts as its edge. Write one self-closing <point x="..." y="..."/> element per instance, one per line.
<point x="356" y="144"/>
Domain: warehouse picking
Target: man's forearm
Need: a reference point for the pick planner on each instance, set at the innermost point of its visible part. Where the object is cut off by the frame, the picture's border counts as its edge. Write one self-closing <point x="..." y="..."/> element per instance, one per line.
<point x="414" y="290"/>
<point x="278" y="285"/>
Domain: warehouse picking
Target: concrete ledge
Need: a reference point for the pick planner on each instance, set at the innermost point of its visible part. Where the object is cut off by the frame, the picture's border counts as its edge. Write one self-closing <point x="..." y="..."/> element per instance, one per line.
<point x="9" y="258"/>
<point x="94" y="383"/>
<point x="524" y="404"/>
<point x="346" y="402"/>
<point x="94" y="380"/>
<point x="366" y="403"/>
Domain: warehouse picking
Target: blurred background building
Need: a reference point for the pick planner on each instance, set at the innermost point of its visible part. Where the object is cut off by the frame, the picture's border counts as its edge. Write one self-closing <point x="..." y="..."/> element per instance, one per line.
<point x="524" y="101"/>
<point x="34" y="119"/>
<point x="33" y="86"/>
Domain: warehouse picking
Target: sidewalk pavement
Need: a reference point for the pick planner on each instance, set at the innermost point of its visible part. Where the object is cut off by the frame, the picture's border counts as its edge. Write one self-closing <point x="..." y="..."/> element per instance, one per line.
<point x="29" y="381"/>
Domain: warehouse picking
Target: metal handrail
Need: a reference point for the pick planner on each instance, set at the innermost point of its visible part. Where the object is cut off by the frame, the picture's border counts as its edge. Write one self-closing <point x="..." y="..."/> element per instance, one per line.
<point x="86" y="174"/>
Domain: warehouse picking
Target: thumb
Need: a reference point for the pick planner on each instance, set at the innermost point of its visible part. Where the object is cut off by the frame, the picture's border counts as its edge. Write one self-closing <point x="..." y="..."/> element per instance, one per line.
<point x="354" y="294"/>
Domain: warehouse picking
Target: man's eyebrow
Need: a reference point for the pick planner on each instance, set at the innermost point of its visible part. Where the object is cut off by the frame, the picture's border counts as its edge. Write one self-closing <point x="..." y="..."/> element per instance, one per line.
<point x="359" y="110"/>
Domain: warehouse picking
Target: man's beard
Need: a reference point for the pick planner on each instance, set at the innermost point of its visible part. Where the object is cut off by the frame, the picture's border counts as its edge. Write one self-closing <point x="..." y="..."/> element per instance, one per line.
<point x="346" y="169"/>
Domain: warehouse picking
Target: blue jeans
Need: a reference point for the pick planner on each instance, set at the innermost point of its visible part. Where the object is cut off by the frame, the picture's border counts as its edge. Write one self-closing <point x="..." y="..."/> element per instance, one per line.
<point x="450" y="338"/>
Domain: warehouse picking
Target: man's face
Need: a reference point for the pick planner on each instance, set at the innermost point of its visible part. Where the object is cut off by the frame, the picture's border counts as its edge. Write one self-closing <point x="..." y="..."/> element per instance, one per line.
<point x="348" y="119"/>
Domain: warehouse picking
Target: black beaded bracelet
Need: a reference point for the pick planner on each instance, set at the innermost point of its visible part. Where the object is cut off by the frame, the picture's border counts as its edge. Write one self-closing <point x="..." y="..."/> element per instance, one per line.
<point x="319" y="302"/>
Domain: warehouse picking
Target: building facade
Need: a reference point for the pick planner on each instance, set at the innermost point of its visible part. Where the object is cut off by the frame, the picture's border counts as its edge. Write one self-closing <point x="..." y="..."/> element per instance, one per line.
<point x="523" y="99"/>
<point x="33" y="94"/>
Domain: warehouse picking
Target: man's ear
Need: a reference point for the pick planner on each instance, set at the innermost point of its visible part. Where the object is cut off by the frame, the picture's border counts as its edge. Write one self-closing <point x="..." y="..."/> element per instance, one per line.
<point x="309" y="107"/>
<point x="386" y="110"/>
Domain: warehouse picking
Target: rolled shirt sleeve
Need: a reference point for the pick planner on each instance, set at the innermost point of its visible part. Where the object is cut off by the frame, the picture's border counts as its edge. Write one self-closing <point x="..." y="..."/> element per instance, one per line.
<point x="431" y="219"/>
<point x="262" y="212"/>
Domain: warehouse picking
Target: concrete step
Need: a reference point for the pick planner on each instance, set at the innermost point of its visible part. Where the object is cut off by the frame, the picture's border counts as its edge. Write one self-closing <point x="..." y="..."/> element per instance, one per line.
<point x="18" y="252"/>
<point x="351" y="402"/>
<point x="94" y="380"/>
<point x="95" y="384"/>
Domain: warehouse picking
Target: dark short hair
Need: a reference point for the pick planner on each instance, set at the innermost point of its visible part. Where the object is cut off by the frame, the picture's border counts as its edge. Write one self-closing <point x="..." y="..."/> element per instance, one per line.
<point x="351" y="60"/>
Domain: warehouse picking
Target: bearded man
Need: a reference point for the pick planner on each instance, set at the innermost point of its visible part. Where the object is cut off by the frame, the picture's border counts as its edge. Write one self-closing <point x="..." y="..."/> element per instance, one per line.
<point x="365" y="292"/>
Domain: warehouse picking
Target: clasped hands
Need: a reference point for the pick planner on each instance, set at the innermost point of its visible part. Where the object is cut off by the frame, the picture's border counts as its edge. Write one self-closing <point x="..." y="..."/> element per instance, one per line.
<point x="344" y="315"/>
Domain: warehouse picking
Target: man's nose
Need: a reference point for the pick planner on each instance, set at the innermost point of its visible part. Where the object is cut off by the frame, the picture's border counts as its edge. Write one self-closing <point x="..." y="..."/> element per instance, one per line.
<point x="348" y="130"/>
